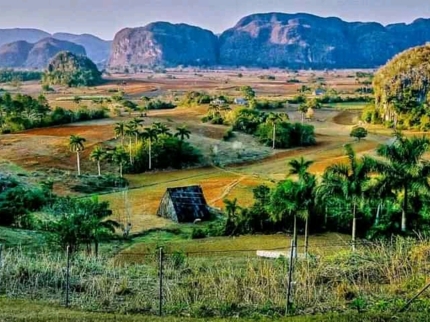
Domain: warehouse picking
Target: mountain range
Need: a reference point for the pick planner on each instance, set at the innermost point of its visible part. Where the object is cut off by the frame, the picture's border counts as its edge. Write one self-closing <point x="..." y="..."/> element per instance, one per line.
<point x="260" y="40"/>
<point x="96" y="49"/>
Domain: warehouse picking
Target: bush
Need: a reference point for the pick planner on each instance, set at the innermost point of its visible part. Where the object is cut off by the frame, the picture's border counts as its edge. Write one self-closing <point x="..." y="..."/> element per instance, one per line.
<point x="358" y="133"/>
<point x="198" y="233"/>
<point x="228" y="135"/>
<point x="160" y="105"/>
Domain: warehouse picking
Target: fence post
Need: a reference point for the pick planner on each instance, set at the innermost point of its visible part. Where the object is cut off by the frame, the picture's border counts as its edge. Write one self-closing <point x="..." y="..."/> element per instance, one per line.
<point x="290" y="276"/>
<point x="160" y="290"/>
<point x="68" y="276"/>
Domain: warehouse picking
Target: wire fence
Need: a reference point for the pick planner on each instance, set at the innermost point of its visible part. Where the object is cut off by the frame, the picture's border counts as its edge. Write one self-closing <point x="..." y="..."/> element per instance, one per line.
<point x="210" y="283"/>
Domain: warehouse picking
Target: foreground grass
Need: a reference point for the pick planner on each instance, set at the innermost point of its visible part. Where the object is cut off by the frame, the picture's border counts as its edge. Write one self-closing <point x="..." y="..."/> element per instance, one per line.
<point x="20" y="310"/>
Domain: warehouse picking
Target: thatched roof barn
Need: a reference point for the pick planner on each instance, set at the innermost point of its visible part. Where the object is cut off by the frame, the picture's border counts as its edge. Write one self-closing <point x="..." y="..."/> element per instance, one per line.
<point x="184" y="204"/>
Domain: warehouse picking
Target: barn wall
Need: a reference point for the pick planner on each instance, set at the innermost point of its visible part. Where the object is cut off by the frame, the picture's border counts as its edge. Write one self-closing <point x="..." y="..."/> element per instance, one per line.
<point x="167" y="209"/>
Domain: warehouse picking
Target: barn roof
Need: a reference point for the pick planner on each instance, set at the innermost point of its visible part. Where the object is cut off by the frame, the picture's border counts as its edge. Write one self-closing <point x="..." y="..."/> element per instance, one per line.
<point x="189" y="203"/>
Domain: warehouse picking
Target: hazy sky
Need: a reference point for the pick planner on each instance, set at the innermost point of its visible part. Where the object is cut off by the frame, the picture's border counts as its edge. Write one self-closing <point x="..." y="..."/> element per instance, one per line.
<point x="105" y="17"/>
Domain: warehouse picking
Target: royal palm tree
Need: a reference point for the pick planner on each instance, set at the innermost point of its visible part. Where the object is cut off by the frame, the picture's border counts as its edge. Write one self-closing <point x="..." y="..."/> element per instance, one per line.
<point x="130" y="131"/>
<point x="136" y="123"/>
<point x="403" y="169"/>
<point x="98" y="155"/>
<point x="119" y="157"/>
<point x="76" y="144"/>
<point x="231" y="207"/>
<point x="273" y="119"/>
<point x="303" y="109"/>
<point x="150" y="134"/>
<point x="120" y="131"/>
<point x="348" y="182"/>
<point x="161" y="129"/>
<point x="182" y="133"/>
<point x="306" y="193"/>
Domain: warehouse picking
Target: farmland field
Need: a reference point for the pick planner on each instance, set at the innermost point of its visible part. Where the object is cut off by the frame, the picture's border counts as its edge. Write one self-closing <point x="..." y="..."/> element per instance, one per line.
<point x="242" y="163"/>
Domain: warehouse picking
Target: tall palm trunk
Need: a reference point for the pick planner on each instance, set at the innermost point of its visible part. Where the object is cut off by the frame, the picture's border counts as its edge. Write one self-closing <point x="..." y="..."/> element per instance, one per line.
<point x="98" y="168"/>
<point x="130" y="150"/>
<point x="120" y="169"/>
<point x="303" y="118"/>
<point x="404" y="209"/>
<point x="354" y="226"/>
<point x="274" y="136"/>
<point x="295" y="236"/>
<point x="150" y="165"/>
<point x="306" y="234"/>
<point x="78" y="162"/>
<point x="378" y="213"/>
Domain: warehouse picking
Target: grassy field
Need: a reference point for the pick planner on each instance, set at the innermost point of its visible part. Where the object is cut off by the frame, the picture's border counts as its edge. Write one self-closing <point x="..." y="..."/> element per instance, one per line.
<point x="172" y="240"/>
<point x="26" y="311"/>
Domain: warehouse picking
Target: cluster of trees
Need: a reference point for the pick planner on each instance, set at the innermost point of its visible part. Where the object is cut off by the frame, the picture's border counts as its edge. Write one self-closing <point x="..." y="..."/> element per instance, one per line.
<point x="145" y="149"/>
<point x="19" y="200"/>
<point x="76" y="222"/>
<point x="371" y="197"/>
<point x="22" y="112"/>
<point x="10" y="75"/>
<point x="273" y="129"/>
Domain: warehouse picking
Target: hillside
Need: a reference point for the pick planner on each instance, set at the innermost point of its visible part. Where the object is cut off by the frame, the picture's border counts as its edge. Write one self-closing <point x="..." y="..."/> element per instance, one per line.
<point x="402" y="89"/>
<point x="72" y="70"/>
<point x="163" y="43"/>
<point x="22" y="54"/>
<point x="265" y="40"/>
<point x="97" y="49"/>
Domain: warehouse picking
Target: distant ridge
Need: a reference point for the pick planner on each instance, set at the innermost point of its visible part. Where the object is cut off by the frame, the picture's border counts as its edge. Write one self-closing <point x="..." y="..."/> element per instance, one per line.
<point x="268" y="40"/>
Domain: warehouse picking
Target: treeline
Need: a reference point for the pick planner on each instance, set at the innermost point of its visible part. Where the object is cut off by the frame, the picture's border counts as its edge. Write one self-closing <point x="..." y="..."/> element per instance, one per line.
<point x="142" y="149"/>
<point x="71" y="222"/>
<point x="9" y="75"/>
<point x="21" y="112"/>
<point x="370" y="197"/>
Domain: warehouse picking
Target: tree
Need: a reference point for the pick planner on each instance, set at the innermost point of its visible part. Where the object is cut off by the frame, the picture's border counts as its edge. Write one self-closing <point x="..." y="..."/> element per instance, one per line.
<point x="358" y="133"/>
<point x="98" y="155"/>
<point x="182" y="133"/>
<point x="403" y="169"/>
<point x="119" y="157"/>
<point x="120" y="131"/>
<point x="161" y="129"/>
<point x="231" y="207"/>
<point x="248" y="93"/>
<point x="76" y="144"/>
<point x="273" y="119"/>
<point x="347" y="182"/>
<point x="80" y="221"/>
<point x="303" y="109"/>
<point x="306" y="191"/>
<point x="310" y="114"/>
<point x="150" y="134"/>
<point x="130" y="131"/>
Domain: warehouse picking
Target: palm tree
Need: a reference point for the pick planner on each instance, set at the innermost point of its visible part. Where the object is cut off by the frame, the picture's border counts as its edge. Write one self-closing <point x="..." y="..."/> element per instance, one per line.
<point x="273" y="119"/>
<point x="76" y="144"/>
<point x="150" y="134"/>
<point x="136" y="123"/>
<point x="182" y="133"/>
<point x="231" y="207"/>
<point x="119" y="157"/>
<point x="120" y="131"/>
<point x="307" y="184"/>
<point x="347" y="182"/>
<point x="97" y="155"/>
<point x="161" y="129"/>
<point x="130" y="131"/>
<point x="303" y="109"/>
<point x="404" y="169"/>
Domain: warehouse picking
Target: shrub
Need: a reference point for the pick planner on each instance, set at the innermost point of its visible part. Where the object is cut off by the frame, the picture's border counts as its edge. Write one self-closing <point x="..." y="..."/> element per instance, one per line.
<point x="198" y="233"/>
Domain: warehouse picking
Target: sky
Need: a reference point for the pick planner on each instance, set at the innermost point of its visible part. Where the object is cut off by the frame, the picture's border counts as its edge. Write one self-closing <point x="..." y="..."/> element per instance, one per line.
<point x="106" y="17"/>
